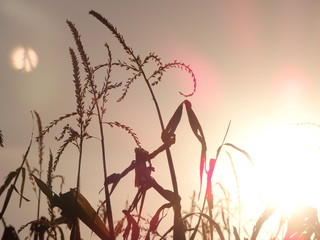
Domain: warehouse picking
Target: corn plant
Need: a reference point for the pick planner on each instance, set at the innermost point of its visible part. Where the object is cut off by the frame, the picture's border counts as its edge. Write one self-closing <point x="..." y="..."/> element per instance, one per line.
<point x="209" y="218"/>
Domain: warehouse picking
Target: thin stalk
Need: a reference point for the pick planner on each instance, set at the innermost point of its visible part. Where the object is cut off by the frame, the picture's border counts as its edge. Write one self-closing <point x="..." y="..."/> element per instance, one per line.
<point x="39" y="198"/>
<point x="40" y="154"/>
<point x="79" y="164"/>
<point x="106" y="189"/>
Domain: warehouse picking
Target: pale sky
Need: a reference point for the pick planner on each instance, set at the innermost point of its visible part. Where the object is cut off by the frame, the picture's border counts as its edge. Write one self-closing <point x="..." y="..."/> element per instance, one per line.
<point x="256" y="63"/>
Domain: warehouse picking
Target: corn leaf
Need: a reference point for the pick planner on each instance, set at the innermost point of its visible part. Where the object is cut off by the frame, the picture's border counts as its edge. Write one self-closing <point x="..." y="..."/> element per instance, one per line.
<point x="6" y="201"/>
<point x="45" y="189"/>
<point x="197" y="130"/>
<point x="8" y="180"/>
<point x="172" y="125"/>
<point x="73" y="208"/>
<point x="82" y="209"/>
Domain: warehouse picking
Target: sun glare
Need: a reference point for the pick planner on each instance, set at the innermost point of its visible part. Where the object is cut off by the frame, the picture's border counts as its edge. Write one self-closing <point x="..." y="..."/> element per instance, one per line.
<point x="24" y="59"/>
<point x="287" y="161"/>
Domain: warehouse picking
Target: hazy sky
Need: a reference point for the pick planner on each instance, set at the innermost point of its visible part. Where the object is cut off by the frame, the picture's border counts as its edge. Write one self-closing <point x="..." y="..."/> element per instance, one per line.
<point x="256" y="63"/>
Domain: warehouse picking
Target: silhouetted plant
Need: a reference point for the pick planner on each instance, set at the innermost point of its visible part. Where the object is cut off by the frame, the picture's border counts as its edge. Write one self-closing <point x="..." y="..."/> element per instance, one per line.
<point x="212" y="217"/>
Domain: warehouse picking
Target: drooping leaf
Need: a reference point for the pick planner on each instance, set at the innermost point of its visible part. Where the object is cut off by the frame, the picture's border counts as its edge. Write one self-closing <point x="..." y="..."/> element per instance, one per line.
<point x="8" y="180"/>
<point x="154" y="222"/>
<point x="197" y="130"/>
<point x="172" y="125"/>
<point x="247" y="155"/>
<point x="6" y="201"/>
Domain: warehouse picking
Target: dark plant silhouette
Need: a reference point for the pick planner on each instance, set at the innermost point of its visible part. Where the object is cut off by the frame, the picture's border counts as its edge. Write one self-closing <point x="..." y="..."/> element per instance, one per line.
<point x="209" y="216"/>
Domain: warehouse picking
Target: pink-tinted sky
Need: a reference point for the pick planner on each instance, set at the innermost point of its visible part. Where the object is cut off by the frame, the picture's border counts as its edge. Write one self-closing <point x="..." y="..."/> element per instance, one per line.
<point x="256" y="62"/>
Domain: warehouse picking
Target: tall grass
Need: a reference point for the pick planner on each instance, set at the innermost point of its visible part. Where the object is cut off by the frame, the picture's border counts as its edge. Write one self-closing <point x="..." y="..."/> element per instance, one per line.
<point x="207" y="219"/>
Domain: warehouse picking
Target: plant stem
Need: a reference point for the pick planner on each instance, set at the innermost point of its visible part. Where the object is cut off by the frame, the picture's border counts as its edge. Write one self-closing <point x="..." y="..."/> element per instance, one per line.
<point x="39" y="198"/>
<point x="79" y="164"/>
<point x="106" y="189"/>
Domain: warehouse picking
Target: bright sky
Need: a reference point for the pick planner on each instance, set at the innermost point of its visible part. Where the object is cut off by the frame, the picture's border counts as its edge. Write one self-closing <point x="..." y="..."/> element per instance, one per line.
<point x="256" y="62"/>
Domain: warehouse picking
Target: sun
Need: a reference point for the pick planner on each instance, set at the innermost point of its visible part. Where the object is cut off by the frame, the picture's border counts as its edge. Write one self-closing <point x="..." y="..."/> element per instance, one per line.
<point x="24" y="59"/>
<point x="287" y="159"/>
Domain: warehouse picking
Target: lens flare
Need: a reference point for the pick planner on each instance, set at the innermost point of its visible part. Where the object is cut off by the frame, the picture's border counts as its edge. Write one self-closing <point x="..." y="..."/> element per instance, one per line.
<point x="24" y="59"/>
<point x="287" y="161"/>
